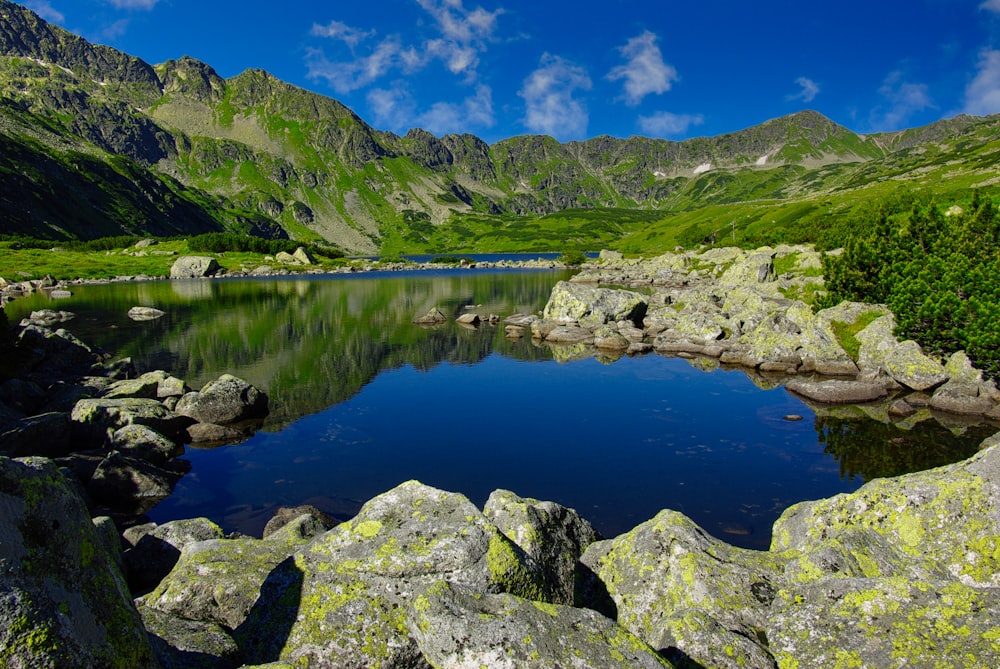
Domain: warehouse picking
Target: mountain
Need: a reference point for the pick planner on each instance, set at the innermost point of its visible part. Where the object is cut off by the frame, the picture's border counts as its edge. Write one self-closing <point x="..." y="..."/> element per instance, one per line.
<point x="94" y="142"/>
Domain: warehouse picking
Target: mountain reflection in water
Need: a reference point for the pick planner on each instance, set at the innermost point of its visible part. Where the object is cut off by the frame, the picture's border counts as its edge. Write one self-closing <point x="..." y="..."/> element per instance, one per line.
<point x="362" y="400"/>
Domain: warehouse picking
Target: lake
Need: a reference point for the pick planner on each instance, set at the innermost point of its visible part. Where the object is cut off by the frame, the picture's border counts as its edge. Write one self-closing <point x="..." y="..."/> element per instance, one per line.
<point x="362" y="400"/>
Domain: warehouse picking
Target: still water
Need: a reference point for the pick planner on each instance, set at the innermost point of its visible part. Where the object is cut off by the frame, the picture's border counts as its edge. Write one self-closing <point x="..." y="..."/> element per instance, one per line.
<point x="362" y="400"/>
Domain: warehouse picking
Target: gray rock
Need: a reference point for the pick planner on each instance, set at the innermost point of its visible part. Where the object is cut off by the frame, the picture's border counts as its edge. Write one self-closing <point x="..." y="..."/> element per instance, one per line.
<point x="569" y="334"/>
<point x="754" y="268"/>
<point x="608" y="338"/>
<point x="92" y="418"/>
<point x="46" y="435"/>
<point x="303" y="257"/>
<point x="130" y="484"/>
<point x="63" y="601"/>
<point x="144" y="443"/>
<point x="553" y="535"/>
<point x="353" y="584"/>
<point x="194" y="267"/>
<point x="960" y="398"/>
<point x="432" y="317"/>
<point x="49" y="317"/>
<point x="591" y="307"/>
<point x="226" y="400"/>
<point x="904" y="361"/>
<point x="156" y="548"/>
<point x="179" y="643"/>
<point x="320" y="522"/>
<point x="201" y="433"/>
<point x="837" y="391"/>
<point x="468" y="319"/>
<point x="458" y="628"/>
<point x="145" y="313"/>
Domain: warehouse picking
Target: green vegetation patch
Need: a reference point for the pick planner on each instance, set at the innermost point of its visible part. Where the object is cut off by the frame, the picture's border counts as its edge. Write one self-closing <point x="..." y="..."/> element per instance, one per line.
<point x="846" y="333"/>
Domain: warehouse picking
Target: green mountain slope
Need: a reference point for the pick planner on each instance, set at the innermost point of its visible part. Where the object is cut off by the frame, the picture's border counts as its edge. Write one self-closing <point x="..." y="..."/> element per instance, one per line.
<point x="96" y="142"/>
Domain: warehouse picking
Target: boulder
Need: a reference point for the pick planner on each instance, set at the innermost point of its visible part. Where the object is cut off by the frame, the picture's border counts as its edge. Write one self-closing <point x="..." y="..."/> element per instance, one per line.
<point x="432" y="317"/>
<point x="226" y="400"/>
<point x="48" y="317"/>
<point x="303" y="257"/>
<point x="904" y="362"/>
<point x="752" y="269"/>
<point x="592" y="307"/>
<point x="179" y="643"/>
<point x="961" y="398"/>
<point x="145" y="313"/>
<point x="55" y="355"/>
<point x="468" y="319"/>
<point x="321" y="522"/>
<point x="608" y="337"/>
<point x="202" y="433"/>
<point x="343" y="600"/>
<point x="92" y="418"/>
<point x="553" y="535"/>
<point x="46" y="435"/>
<point x="155" y="549"/>
<point x="130" y="484"/>
<point x="569" y="334"/>
<point x="63" y="601"/>
<point x="144" y="443"/>
<point x="837" y="391"/>
<point x="455" y="627"/>
<point x="193" y="267"/>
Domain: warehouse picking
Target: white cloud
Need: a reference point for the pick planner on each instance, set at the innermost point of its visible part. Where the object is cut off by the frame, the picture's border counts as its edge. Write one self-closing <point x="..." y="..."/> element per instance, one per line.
<point x="134" y="4"/>
<point x="991" y="6"/>
<point x="45" y="9"/>
<point x="665" y="124"/>
<point x="982" y="95"/>
<point x="348" y="76"/>
<point x="550" y="107"/>
<point x="645" y="72"/>
<point x="473" y="112"/>
<point x="396" y="109"/>
<point x="809" y="90"/>
<point x="341" y="31"/>
<point x="463" y="34"/>
<point x="115" y="30"/>
<point x="903" y="99"/>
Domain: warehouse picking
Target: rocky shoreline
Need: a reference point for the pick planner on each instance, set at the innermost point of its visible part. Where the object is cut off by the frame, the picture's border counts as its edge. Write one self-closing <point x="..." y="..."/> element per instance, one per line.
<point x="903" y="572"/>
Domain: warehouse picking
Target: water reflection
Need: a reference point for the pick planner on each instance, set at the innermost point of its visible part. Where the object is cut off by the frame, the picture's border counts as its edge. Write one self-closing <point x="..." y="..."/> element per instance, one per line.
<point x="363" y="399"/>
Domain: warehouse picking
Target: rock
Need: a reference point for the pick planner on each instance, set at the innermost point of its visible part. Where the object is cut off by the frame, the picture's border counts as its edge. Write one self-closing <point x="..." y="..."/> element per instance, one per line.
<point x="553" y="535"/>
<point x="201" y="433"/>
<point x="145" y="313"/>
<point x="320" y="522"/>
<point x="193" y="267"/>
<point x="960" y="398"/>
<point x="179" y="643"/>
<point x="46" y="435"/>
<point x="303" y="257"/>
<point x="156" y="549"/>
<point x="343" y="600"/>
<point x="146" y="386"/>
<point x="837" y="391"/>
<point x="92" y="418"/>
<point x="55" y="355"/>
<point x="25" y="396"/>
<point x="48" y="317"/>
<point x="468" y="319"/>
<point x="592" y="307"/>
<point x="60" y="294"/>
<point x="220" y="580"/>
<point x="129" y="483"/>
<point x="905" y="362"/>
<point x="63" y="601"/>
<point x="569" y="334"/>
<point x="752" y="269"/>
<point x="458" y="628"/>
<point x="902" y="409"/>
<point x="286" y="258"/>
<point x="670" y="582"/>
<point x="521" y="320"/>
<point x="226" y="400"/>
<point x="608" y="338"/>
<point x="959" y="368"/>
<point x="144" y="443"/>
<point x="432" y="317"/>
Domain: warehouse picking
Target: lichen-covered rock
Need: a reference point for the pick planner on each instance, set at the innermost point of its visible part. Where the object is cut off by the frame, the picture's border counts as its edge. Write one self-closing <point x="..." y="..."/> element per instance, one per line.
<point x="63" y="601"/>
<point x="942" y="523"/>
<point x="318" y="523"/>
<point x="961" y="398"/>
<point x="668" y="567"/>
<point x="592" y="307"/>
<point x="180" y="643"/>
<point x="553" y="535"/>
<point x="458" y="628"/>
<point x="903" y="361"/>
<point x="144" y="443"/>
<point x="193" y="267"/>
<point x="155" y="549"/>
<point x="608" y="337"/>
<point x="343" y="597"/>
<point x="750" y="269"/>
<point x="226" y="400"/>
<point x="93" y="417"/>
<point x="890" y="622"/>
<point x="220" y="580"/>
<point x="46" y="435"/>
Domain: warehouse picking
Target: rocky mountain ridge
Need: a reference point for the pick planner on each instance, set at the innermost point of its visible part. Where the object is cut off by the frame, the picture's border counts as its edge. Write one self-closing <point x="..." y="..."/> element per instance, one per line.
<point x="257" y="155"/>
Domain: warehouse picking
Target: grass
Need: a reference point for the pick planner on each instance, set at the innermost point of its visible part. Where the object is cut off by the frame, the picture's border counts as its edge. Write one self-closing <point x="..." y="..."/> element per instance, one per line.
<point x="846" y="333"/>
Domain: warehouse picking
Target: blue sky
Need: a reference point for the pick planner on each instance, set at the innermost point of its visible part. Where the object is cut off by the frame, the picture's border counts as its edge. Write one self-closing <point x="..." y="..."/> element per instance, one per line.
<point x="660" y="68"/>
